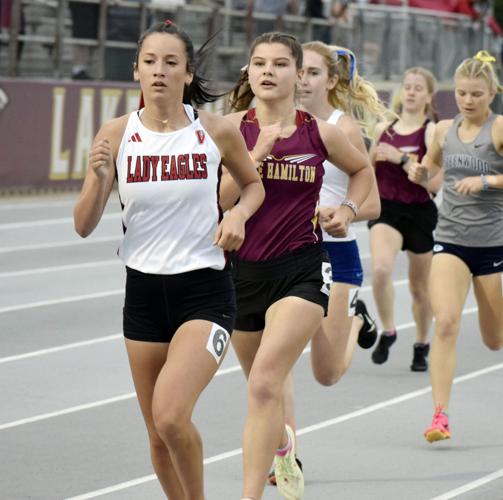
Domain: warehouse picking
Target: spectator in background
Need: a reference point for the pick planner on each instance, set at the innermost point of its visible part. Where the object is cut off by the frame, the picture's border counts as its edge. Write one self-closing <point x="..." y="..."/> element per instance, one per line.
<point x="5" y="21"/>
<point x="277" y="7"/>
<point x="123" y="25"/>
<point x="314" y="9"/>
<point x="84" y="26"/>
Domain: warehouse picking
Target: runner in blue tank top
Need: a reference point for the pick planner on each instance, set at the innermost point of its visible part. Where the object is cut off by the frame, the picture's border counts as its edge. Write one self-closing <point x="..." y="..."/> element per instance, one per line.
<point x="282" y="274"/>
<point x="408" y="215"/>
<point x="179" y="307"/>
<point x="469" y="237"/>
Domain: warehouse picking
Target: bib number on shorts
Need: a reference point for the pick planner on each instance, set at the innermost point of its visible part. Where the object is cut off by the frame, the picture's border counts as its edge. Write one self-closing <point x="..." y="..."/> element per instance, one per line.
<point x="217" y="341"/>
<point x="352" y="298"/>
<point x="326" y="274"/>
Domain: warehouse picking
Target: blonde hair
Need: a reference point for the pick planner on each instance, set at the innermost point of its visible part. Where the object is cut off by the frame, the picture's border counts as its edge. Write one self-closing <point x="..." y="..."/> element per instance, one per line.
<point x="480" y="66"/>
<point x="352" y="94"/>
<point x="431" y="83"/>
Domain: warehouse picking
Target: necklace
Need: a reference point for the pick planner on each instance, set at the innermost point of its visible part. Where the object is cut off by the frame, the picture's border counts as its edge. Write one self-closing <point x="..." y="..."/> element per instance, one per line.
<point x="164" y="122"/>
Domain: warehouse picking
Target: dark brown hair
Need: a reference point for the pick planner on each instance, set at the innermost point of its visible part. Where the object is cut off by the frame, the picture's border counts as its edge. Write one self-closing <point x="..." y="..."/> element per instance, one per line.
<point x="242" y="95"/>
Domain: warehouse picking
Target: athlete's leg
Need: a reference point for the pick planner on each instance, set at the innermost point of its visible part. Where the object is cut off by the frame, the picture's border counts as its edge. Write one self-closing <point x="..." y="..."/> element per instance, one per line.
<point x="449" y="285"/>
<point x="188" y="369"/>
<point x="385" y="243"/>
<point x="488" y="292"/>
<point x="246" y="345"/>
<point x="146" y="360"/>
<point x="419" y="275"/>
<point x="290" y="323"/>
<point x="333" y="344"/>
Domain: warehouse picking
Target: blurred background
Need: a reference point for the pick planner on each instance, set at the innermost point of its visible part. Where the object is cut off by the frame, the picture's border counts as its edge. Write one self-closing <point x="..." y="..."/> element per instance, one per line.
<point x="66" y="66"/>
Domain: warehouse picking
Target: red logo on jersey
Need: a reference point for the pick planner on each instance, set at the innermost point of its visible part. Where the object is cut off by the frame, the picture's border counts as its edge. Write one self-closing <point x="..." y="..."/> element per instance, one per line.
<point x="135" y="137"/>
<point x="200" y="136"/>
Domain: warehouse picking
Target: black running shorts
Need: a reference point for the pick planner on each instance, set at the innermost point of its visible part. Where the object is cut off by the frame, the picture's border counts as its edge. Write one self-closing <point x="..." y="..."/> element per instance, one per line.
<point x="305" y="273"/>
<point x="157" y="305"/>
<point x="415" y="222"/>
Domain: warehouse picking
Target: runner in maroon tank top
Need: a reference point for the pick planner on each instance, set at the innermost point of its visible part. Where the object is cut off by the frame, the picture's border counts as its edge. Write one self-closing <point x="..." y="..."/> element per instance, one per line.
<point x="408" y="215"/>
<point x="281" y="273"/>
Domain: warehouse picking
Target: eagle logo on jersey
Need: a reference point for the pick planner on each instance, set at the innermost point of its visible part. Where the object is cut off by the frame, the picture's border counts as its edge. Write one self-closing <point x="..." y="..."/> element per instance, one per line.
<point x="200" y="136"/>
<point x="292" y="158"/>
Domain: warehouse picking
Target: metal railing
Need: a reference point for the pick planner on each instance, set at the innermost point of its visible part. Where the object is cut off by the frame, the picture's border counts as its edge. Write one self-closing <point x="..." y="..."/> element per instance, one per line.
<point x="386" y="40"/>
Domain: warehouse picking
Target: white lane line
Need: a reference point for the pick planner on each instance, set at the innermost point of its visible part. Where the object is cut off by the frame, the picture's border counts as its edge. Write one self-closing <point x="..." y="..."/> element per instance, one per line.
<point x="43" y="303"/>
<point x="58" y="244"/>
<point x="66" y="411"/>
<point x="42" y="204"/>
<point x="64" y="347"/>
<point x="50" y="222"/>
<point x="470" y="486"/>
<point x="95" y="404"/>
<point x="305" y="430"/>
<point x="70" y="267"/>
<point x="53" y="269"/>
<point x="114" y="292"/>
<point x="74" y="298"/>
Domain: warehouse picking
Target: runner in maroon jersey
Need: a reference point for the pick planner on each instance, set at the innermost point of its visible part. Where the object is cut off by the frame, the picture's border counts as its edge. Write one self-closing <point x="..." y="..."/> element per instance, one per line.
<point x="281" y="272"/>
<point x="408" y="214"/>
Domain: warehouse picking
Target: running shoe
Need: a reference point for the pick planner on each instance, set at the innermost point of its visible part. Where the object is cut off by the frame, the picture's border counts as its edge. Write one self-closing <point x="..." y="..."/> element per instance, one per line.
<point x="289" y="477"/>
<point x="271" y="478"/>
<point x="368" y="331"/>
<point x="439" y="428"/>
<point x="381" y="352"/>
<point x="419" y="362"/>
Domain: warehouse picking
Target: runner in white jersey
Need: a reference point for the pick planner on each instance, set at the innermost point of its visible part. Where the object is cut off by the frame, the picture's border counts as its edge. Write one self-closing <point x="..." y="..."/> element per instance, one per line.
<point x="329" y="80"/>
<point x="180" y="306"/>
<point x="469" y="237"/>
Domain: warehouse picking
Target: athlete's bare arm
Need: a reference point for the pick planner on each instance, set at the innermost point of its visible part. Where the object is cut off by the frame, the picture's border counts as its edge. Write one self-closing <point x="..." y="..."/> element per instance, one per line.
<point x="349" y="159"/>
<point x="371" y="207"/>
<point x="239" y="164"/>
<point x="431" y="163"/>
<point x="99" y="177"/>
<point x="229" y="190"/>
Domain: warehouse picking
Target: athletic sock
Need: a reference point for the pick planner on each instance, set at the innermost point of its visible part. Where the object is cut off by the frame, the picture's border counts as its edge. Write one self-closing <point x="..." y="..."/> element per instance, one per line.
<point x="281" y="452"/>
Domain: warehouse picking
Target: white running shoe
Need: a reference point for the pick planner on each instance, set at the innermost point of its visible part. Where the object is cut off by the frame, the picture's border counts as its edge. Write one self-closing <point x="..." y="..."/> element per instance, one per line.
<point x="289" y="477"/>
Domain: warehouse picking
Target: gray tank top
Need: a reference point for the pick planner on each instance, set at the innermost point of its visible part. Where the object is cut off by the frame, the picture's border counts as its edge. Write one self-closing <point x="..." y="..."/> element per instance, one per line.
<point x="475" y="220"/>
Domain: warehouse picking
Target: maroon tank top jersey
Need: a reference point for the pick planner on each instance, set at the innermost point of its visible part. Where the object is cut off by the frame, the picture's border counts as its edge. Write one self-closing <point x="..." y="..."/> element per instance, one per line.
<point x="292" y="175"/>
<point x="392" y="180"/>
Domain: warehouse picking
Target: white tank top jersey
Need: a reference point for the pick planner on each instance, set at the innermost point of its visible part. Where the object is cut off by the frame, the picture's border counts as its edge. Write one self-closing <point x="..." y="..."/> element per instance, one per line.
<point x="168" y="188"/>
<point x="335" y="186"/>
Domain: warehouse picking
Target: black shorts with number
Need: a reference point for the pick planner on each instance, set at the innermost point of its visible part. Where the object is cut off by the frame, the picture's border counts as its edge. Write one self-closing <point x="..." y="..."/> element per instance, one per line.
<point x="415" y="222"/>
<point x="156" y="305"/>
<point x="305" y="273"/>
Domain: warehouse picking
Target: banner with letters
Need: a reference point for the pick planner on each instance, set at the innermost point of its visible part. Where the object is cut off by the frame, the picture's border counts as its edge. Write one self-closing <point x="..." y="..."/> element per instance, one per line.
<point x="47" y="128"/>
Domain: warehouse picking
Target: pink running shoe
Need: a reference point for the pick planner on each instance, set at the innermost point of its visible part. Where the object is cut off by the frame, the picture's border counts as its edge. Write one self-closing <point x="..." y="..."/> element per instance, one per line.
<point x="439" y="428"/>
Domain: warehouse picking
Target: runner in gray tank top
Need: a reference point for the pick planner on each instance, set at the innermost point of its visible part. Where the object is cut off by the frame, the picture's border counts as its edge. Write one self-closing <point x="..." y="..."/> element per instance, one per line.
<point x="469" y="237"/>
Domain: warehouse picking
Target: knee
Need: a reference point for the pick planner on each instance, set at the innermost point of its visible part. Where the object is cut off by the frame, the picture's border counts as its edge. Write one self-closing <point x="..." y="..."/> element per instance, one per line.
<point x="381" y="273"/>
<point x="493" y="343"/>
<point x="447" y="326"/>
<point x="330" y="377"/>
<point x="419" y="293"/>
<point x="263" y="391"/>
<point x="169" y="426"/>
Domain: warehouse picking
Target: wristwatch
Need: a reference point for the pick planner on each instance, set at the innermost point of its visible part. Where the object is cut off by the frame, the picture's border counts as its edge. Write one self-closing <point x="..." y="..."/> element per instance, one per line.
<point x="404" y="159"/>
<point x="485" y="183"/>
